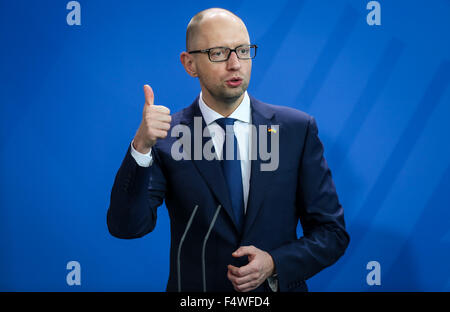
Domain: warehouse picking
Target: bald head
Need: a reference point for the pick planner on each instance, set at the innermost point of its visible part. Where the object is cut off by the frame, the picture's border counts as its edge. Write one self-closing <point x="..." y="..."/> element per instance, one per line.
<point x="201" y="20"/>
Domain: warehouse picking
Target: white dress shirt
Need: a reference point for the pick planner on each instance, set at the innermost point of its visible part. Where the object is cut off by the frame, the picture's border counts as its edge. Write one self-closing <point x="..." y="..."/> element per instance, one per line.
<point x="241" y="127"/>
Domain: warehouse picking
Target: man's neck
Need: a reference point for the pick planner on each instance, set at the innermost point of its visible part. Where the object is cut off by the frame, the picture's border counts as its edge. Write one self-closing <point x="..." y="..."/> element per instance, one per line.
<point x="223" y="108"/>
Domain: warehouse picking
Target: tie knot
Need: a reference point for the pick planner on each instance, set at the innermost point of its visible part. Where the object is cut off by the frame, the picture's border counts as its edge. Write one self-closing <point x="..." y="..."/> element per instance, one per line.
<point x="223" y="122"/>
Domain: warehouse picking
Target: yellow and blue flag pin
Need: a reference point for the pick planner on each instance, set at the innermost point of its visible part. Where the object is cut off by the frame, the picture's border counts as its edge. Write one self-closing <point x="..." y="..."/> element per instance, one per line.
<point x="272" y="130"/>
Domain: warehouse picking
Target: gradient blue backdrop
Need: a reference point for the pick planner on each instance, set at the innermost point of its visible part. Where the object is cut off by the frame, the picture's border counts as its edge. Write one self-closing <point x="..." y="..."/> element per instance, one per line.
<point x="71" y="100"/>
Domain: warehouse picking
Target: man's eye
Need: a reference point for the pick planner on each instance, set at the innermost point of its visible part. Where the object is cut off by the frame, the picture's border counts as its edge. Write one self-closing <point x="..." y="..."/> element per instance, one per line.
<point x="244" y="50"/>
<point x="217" y="53"/>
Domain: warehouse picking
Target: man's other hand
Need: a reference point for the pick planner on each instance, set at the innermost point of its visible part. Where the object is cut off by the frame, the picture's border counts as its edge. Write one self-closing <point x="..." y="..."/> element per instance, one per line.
<point x="250" y="276"/>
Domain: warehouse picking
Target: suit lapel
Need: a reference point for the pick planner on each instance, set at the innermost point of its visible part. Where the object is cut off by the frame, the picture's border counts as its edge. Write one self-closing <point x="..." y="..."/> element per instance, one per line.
<point x="259" y="180"/>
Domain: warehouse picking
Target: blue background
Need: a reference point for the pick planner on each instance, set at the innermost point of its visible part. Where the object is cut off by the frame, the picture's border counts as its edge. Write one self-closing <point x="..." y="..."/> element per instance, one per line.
<point x="71" y="100"/>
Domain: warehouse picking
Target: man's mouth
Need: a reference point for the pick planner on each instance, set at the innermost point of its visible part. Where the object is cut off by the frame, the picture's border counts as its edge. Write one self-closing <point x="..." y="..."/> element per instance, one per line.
<point x="234" y="82"/>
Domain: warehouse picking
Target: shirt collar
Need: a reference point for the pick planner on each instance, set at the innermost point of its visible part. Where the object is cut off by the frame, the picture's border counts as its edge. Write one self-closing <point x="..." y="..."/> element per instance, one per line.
<point x="241" y="113"/>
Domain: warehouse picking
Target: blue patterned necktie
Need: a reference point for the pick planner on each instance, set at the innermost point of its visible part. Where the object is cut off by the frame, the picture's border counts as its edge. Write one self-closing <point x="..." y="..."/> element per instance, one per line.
<point x="231" y="166"/>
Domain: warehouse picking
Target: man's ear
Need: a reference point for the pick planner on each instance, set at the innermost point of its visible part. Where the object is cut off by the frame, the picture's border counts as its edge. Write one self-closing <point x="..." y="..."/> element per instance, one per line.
<point x="189" y="64"/>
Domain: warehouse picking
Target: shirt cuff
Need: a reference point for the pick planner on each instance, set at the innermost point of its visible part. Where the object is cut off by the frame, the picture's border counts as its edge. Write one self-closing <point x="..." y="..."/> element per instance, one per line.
<point x="273" y="282"/>
<point x="143" y="160"/>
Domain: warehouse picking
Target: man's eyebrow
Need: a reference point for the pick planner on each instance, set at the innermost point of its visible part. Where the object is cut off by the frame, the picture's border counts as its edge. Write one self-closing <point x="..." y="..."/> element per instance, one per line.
<point x="229" y="46"/>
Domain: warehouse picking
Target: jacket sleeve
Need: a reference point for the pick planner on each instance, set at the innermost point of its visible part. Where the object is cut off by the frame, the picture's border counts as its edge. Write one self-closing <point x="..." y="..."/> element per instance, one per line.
<point x="324" y="238"/>
<point x="135" y="196"/>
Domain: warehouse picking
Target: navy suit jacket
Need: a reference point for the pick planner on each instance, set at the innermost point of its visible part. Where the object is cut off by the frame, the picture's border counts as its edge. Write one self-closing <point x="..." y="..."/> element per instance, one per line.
<point x="301" y="189"/>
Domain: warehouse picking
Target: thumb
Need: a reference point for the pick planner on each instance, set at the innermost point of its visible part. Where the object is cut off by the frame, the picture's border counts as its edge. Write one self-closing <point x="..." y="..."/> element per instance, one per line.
<point x="149" y="96"/>
<point x="241" y="251"/>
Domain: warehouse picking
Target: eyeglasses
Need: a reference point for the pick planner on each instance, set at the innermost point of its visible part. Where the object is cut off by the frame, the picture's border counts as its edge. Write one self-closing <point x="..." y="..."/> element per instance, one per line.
<point x="222" y="54"/>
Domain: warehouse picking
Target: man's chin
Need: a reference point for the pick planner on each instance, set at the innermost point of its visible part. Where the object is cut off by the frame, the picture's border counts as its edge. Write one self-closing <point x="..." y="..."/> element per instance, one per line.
<point x="233" y="95"/>
<point x="231" y="99"/>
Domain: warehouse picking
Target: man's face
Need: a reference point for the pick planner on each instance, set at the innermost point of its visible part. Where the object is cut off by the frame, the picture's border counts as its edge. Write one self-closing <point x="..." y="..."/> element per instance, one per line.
<point x="218" y="79"/>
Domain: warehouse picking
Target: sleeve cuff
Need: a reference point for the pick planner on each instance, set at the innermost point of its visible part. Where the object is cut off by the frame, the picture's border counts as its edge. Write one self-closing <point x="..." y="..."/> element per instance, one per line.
<point x="273" y="282"/>
<point x="143" y="160"/>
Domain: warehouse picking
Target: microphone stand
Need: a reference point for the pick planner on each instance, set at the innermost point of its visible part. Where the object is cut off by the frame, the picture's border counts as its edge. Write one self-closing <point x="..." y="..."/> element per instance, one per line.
<point x="181" y="244"/>
<point x="204" y="246"/>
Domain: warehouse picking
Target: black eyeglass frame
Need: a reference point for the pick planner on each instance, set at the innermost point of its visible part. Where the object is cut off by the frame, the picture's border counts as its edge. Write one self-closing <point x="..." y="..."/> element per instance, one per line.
<point x="229" y="54"/>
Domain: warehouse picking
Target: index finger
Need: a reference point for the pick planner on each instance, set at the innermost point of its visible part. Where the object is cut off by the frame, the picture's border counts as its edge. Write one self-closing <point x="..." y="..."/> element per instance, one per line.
<point x="242" y="271"/>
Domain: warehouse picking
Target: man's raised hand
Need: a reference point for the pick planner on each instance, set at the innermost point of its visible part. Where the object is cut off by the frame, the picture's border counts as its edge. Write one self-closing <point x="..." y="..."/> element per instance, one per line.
<point x="155" y="123"/>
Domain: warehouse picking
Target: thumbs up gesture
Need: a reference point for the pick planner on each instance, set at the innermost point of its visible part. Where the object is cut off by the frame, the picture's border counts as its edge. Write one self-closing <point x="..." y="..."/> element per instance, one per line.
<point x="155" y="123"/>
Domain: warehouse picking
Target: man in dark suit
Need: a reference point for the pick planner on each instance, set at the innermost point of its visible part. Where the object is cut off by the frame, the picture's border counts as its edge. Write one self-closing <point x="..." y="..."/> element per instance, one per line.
<point x="233" y="219"/>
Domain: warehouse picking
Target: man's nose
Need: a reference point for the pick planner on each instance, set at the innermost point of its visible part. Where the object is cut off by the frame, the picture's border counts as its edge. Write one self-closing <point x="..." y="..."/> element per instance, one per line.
<point x="233" y="62"/>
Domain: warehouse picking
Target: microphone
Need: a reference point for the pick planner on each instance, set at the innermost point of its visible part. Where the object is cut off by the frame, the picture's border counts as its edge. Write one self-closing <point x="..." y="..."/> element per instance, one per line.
<point x="204" y="246"/>
<point x="181" y="244"/>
